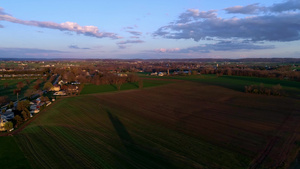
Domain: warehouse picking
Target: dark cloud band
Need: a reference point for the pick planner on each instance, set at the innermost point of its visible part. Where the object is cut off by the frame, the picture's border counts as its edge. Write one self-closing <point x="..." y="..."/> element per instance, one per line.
<point x="280" y="27"/>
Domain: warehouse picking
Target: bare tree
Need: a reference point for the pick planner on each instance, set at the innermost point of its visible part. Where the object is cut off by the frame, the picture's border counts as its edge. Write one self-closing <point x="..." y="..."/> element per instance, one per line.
<point x="47" y="86"/>
<point x="131" y="78"/>
<point x="119" y="81"/>
<point x="20" y="85"/>
<point x="3" y="99"/>
<point x="141" y="84"/>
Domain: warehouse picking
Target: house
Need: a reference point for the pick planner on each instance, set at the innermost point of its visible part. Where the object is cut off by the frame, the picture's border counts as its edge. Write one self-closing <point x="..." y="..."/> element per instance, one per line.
<point x="34" y="111"/>
<point x="162" y="73"/>
<point x="75" y="83"/>
<point x="2" y="124"/>
<point x="38" y="100"/>
<point x="61" y="82"/>
<point x="154" y="74"/>
<point x="122" y="74"/>
<point x="72" y="88"/>
<point x="55" y="88"/>
<point x="60" y="93"/>
<point x="8" y="115"/>
<point x="48" y="103"/>
<point x="33" y="107"/>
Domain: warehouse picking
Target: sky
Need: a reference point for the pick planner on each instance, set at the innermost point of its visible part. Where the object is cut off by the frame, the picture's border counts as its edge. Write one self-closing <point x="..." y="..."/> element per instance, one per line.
<point x="140" y="29"/>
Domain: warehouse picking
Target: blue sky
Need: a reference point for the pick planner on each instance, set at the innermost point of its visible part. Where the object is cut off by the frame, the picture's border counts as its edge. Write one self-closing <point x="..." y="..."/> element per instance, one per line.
<point x="149" y="29"/>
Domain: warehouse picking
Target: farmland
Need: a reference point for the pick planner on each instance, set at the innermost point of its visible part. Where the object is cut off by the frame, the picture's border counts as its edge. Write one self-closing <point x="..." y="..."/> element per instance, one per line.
<point x="178" y="125"/>
<point x="11" y="156"/>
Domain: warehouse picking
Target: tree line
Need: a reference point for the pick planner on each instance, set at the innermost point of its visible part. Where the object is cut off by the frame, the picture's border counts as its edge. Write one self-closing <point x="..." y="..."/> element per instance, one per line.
<point x="288" y="75"/>
<point x="275" y="90"/>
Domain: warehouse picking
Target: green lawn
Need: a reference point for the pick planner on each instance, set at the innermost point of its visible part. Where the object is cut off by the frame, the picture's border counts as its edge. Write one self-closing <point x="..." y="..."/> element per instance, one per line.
<point x="12" y="85"/>
<point x="11" y="156"/>
<point x="91" y="88"/>
<point x="238" y="83"/>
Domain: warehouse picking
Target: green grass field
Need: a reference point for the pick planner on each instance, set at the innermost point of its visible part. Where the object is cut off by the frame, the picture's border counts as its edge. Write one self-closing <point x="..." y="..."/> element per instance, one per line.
<point x="12" y="85"/>
<point x="238" y="83"/>
<point x="91" y="88"/>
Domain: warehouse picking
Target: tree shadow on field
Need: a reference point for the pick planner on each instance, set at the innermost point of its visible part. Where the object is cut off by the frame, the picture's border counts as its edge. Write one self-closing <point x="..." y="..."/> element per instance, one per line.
<point x="121" y="130"/>
<point x="114" y="86"/>
<point x="134" y="84"/>
<point x="139" y="155"/>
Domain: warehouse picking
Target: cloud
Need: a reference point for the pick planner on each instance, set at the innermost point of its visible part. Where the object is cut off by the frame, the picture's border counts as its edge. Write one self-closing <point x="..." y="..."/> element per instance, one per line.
<point x="2" y="11"/>
<point x="289" y="5"/>
<point x="76" y="47"/>
<point x="130" y="41"/>
<point x="28" y="52"/>
<point x="164" y="50"/>
<point x="128" y="27"/>
<point x="1" y="26"/>
<point x="280" y="27"/>
<point x="136" y="33"/>
<point x="122" y="46"/>
<point x="220" y="46"/>
<point x="249" y="9"/>
<point x="92" y="31"/>
<point x="134" y="37"/>
<point x="194" y="14"/>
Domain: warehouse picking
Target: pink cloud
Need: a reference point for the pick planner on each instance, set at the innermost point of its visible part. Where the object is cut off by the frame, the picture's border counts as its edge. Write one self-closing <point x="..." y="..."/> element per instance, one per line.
<point x="66" y="26"/>
<point x="163" y="50"/>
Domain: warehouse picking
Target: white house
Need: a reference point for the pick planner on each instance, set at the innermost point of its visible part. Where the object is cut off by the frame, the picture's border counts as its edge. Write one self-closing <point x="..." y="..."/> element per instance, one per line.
<point x="75" y="83"/>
